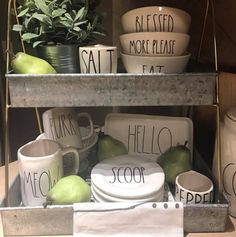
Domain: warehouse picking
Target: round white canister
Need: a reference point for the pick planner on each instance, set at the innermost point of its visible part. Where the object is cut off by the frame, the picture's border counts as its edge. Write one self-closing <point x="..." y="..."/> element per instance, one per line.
<point x="228" y="157"/>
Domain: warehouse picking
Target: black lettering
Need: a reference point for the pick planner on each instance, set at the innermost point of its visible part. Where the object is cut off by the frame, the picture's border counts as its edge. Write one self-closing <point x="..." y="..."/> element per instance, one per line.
<point x="99" y="61"/>
<point x="139" y="46"/>
<point x="159" y="18"/>
<point x="181" y="191"/>
<point x="137" y="174"/>
<point x="71" y="125"/>
<point x="198" y="198"/>
<point x="148" y="19"/>
<point x="159" y="68"/>
<point x="189" y="197"/>
<point x="35" y="184"/>
<point x="170" y="23"/>
<point x="28" y="179"/>
<point x="152" y="69"/>
<point x="138" y="25"/>
<point x="163" y="132"/>
<point x="132" y="46"/>
<point x="58" y="128"/>
<point x="63" y="124"/>
<point x="118" y="174"/>
<point x="154" y="45"/>
<point x="51" y="121"/>
<point x="142" y="172"/>
<point x="84" y="61"/>
<point x="91" y="61"/>
<point x="206" y="198"/>
<point x="172" y="46"/>
<point x="160" y="50"/>
<point x="137" y="137"/>
<point x="111" y="51"/>
<point x="224" y="178"/>
<point x="46" y="174"/>
<point x="145" y="135"/>
<point x="114" y="174"/>
<point x="233" y="183"/>
<point x="131" y="135"/>
<point x="130" y="175"/>
<point x="160" y="23"/>
<point x="164" y="22"/>
<point x="154" y="22"/>
<point x="144" y="68"/>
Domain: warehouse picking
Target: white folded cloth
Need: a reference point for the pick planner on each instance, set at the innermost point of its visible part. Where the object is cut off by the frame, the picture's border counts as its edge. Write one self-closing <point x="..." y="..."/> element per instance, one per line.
<point x="159" y="219"/>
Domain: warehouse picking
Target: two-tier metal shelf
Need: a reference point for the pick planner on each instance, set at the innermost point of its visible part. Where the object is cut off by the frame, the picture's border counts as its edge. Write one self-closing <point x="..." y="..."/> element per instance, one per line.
<point x="112" y="90"/>
<point x="100" y="90"/>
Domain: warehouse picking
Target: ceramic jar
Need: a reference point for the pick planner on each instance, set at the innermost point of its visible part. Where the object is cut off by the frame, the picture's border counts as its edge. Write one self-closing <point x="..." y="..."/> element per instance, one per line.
<point x="228" y="157"/>
<point x="98" y="59"/>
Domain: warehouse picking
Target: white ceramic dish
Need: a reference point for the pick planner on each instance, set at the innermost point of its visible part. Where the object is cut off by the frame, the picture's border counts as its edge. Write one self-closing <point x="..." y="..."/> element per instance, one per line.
<point x="154" y="43"/>
<point x="103" y="197"/>
<point x="140" y="176"/>
<point x="149" y="135"/>
<point x="149" y="65"/>
<point x="156" y="18"/>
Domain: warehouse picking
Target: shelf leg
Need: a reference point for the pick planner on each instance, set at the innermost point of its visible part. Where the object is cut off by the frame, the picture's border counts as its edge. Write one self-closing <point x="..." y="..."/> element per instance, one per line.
<point x="203" y="30"/>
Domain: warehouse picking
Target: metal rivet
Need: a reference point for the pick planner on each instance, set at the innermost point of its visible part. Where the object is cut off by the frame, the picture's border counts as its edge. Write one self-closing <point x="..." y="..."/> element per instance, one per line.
<point x="177" y="205"/>
<point x="165" y="205"/>
<point x="154" y="205"/>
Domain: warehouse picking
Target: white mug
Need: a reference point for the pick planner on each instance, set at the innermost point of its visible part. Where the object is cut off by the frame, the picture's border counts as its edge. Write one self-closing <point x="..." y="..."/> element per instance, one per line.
<point x="40" y="166"/>
<point x="61" y="125"/>
<point x="192" y="187"/>
<point x="98" y="59"/>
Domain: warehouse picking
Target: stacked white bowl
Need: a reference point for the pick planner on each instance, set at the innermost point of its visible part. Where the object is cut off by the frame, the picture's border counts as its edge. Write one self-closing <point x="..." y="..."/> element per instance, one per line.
<point x="127" y="178"/>
<point x="155" y="40"/>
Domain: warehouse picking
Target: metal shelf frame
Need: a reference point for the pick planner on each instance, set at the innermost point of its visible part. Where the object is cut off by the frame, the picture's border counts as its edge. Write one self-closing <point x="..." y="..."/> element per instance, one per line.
<point x="111" y="90"/>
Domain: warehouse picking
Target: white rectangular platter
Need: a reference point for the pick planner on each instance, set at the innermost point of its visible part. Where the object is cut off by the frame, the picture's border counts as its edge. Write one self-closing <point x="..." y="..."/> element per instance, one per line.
<point x="149" y="135"/>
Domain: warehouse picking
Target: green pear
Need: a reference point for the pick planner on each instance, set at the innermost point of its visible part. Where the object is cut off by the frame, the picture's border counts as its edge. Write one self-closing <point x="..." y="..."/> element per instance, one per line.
<point x="174" y="161"/>
<point x="23" y="63"/>
<point x="109" y="147"/>
<point x="68" y="190"/>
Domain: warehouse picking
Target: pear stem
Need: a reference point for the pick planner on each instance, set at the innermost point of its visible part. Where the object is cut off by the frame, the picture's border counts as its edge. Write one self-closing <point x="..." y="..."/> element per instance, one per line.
<point x="12" y="55"/>
<point x="186" y="142"/>
<point x="48" y="202"/>
<point x="101" y="134"/>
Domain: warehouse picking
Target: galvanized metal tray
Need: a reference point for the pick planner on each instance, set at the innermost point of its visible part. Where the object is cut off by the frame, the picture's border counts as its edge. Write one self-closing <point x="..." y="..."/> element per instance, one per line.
<point x="120" y="89"/>
<point x="58" y="220"/>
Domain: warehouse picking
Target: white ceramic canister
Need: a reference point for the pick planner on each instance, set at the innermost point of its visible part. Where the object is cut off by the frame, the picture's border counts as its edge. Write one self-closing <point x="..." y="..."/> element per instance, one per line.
<point x="98" y="59"/>
<point x="228" y="157"/>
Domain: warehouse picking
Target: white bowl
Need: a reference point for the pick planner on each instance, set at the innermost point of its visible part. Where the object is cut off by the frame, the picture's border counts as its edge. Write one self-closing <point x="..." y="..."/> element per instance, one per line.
<point x="142" y="64"/>
<point x="156" y="19"/>
<point x="154" y="43"/>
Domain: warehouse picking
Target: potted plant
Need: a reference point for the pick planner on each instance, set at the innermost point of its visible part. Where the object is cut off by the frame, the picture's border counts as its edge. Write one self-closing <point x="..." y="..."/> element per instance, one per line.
<point x="56" y="28"/>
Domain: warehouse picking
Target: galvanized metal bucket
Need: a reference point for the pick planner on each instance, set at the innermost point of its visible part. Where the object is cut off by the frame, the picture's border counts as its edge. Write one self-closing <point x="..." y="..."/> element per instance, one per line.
<point x="64" y="58"/>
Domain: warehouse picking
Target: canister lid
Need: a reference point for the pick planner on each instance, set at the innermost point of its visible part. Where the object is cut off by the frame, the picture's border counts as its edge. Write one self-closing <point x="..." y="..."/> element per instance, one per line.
<point x="128" y="177"/>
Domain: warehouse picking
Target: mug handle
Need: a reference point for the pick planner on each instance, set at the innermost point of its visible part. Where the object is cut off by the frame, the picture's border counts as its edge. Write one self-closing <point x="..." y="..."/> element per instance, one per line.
<point x="87" y="115"/>
<point x="76" y="158"/>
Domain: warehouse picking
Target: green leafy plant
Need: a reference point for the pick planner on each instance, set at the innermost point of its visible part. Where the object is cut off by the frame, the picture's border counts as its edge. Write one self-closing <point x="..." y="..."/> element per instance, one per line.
<point x="58" y="21"/>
